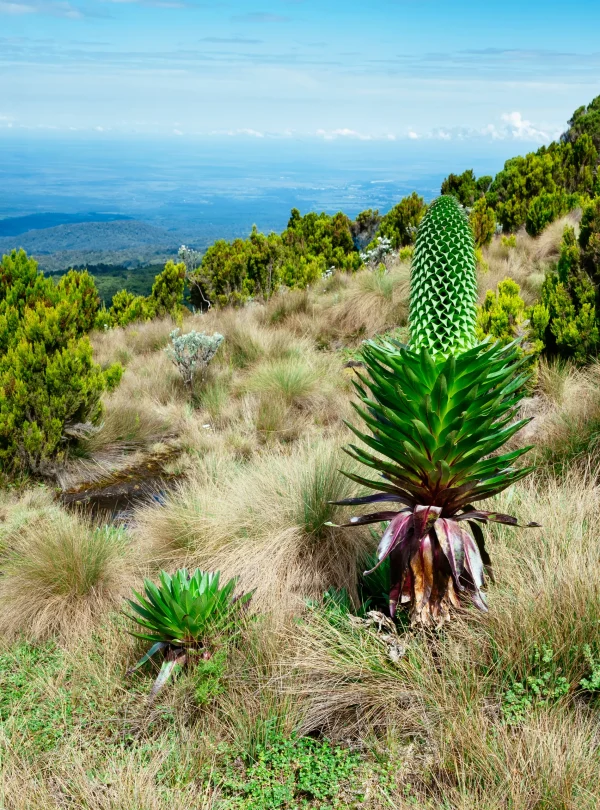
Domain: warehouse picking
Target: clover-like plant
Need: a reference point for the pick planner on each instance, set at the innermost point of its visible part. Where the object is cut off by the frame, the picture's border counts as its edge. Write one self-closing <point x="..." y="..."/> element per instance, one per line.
<point x="182" y="616"/>
<point x="437" y="412"/>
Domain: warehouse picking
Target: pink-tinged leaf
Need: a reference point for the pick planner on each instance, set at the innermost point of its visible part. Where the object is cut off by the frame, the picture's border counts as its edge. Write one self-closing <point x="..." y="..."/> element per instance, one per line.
<point x="426" y="553"/>
<point x="479" y="600"/>
<point x="473" y="561"/>
<point x="496" y="517"/>
<point x="424" y="518"/>
<point x="399" y="558"/>
<point x="395" y="533"/>
<point x="449" y="536"/>
<point x="480" y="540"/>
<point x="394" y="596"/>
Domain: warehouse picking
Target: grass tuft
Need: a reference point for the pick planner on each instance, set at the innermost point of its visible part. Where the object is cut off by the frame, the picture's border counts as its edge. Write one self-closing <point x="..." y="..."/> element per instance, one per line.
<point x="59" y="575"/>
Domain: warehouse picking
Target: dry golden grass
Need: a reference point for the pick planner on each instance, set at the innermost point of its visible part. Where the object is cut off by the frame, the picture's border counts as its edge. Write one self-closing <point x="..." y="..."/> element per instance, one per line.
<point x="350" y="307"/>
<point x="566" y="426"/>
<point x="526" y="262"/>
<point x="372" y="303"/>
<point x="17" y="512"/>
<point x="448" y="690"/>
<point x="259" y="451"/>
<point x="263" y="522"/>
<point x="60" y="574"/>
<point x="122" y="345"/>
<point x="132" y="783"/>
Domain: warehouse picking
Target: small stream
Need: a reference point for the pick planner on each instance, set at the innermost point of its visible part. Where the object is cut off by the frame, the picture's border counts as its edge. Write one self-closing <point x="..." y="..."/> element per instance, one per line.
<point x="115" y="498"/>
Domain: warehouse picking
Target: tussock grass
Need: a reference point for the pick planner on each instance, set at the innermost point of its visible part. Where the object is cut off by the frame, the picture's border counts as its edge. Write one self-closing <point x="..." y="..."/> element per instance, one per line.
<point x="122" y="344"/>
<point x="373" y="302"/>
<point x="297" y="380"/>
<point x="527" y="262"/>
<point x="33" y="506"/>
<point x="265" y="524"/>
<point x="59" y="575"/>
<point x="285" y="304"/>
<point x="448" y="690"/>
<point x="566" y="430"/>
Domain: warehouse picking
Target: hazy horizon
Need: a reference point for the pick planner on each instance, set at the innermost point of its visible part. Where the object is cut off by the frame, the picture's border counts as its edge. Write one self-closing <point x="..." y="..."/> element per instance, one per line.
<point x="189" y="182"/>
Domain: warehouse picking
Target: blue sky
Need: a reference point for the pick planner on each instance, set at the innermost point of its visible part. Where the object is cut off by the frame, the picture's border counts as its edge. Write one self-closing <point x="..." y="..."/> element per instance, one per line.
<point x="369" y="70"/>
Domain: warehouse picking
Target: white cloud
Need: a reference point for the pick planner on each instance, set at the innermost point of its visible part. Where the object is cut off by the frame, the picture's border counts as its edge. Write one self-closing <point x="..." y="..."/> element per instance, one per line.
<point x="253" y="133"/>
<point x="491" y="131"/>
<point x="521" y="129"/>
<point x="232" y="133"/>
<point x="177" y="132"/>
<point x="332" y="134"/>
<point x="16" y="8"/>
<point x="513" y="127"/>
<point x="53" y="8"/>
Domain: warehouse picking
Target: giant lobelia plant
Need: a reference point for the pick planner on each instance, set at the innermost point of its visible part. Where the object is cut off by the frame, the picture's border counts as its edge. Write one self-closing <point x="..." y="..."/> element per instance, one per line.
<point x="437" y="411"/>
<point x="183" y="616"/>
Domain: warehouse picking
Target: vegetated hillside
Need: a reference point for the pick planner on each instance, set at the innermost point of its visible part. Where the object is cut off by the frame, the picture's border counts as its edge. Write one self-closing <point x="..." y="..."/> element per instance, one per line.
<point x="310" y="705"/>
<point x="111" y="278"/>
<point x="127" y="243"/>
<point x="131" y="259"/>
<point x="13" y="226"/>
<point x="91" y="236"/>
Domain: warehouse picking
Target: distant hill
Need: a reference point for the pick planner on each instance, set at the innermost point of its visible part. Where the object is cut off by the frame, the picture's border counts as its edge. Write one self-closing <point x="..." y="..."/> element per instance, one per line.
<point x="125" y="242"/>
<point x="13" y="226"/>
<point x="90" y="236"/>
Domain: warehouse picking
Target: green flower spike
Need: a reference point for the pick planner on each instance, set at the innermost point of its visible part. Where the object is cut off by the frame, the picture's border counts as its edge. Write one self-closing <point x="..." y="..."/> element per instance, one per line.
<point x="443" y="291"/>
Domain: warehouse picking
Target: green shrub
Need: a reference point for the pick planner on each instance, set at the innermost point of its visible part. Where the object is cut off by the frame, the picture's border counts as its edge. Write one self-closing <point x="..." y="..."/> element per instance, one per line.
<point x="233" y="272"/>
<point x="465" y="187"/>
<point x="167" y="291"/>
<point x="49" y="383"/>
<point x="165" y="299"/>
<point x="483" y="222"/>
<point x="509" y="241"/>
<point x="565" y="317"/>
<point x="547" y="207"/>
<point x="534" y="188"/>
<point x="400" y="224"/>
<point x="126" y="308"/>
<point x="79" y="289"/>
<point x="585" y="121"/>
<point x="503" y="316"/>
<point x="589" y="239"/>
